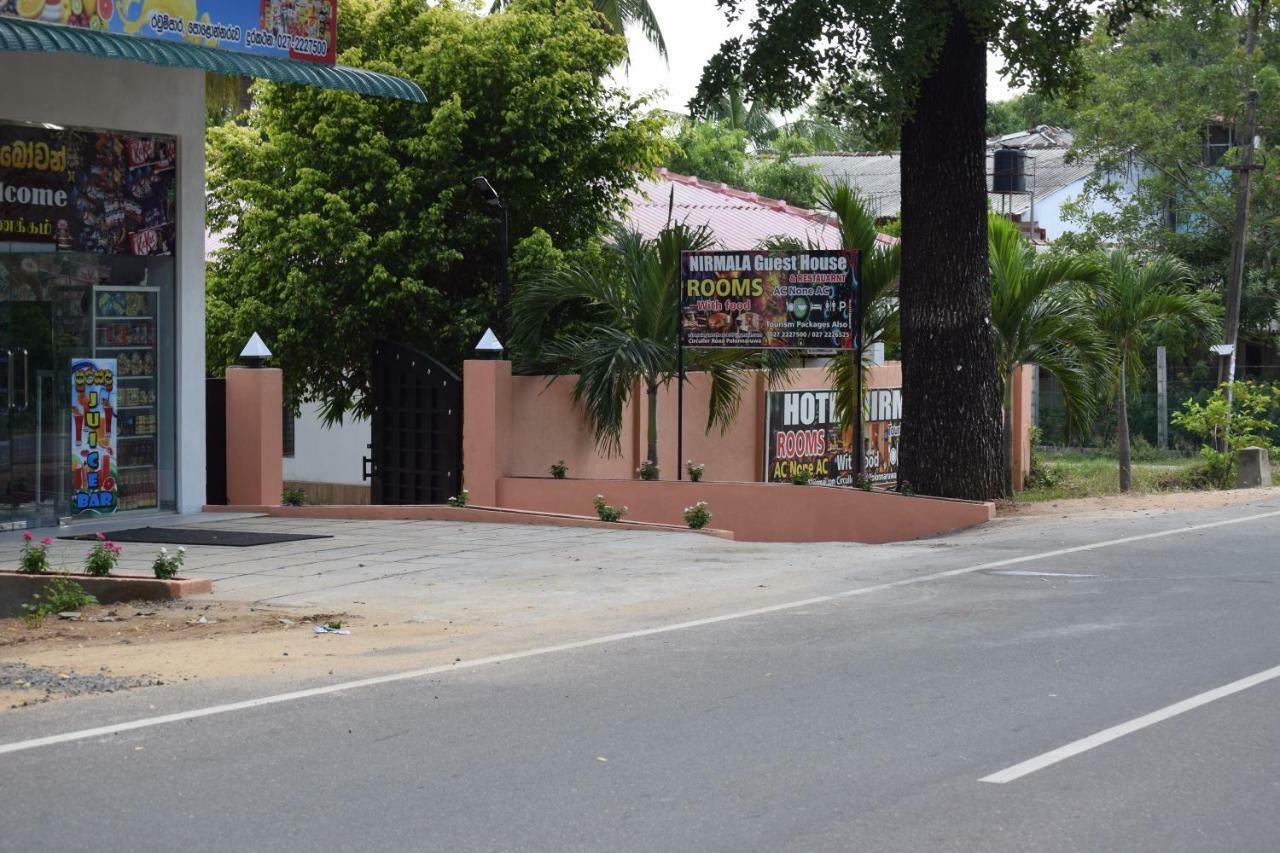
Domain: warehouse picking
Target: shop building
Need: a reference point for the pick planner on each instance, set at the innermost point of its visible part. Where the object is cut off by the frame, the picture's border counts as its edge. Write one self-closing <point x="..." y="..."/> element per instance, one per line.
<point x="102" y="360"/>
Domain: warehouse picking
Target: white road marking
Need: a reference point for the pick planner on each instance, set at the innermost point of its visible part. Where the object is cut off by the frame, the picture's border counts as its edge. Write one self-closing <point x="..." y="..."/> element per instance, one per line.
<point x="196" y="713"/>
<point x="1027" y="573"/>
<point x="1062" y="753"/>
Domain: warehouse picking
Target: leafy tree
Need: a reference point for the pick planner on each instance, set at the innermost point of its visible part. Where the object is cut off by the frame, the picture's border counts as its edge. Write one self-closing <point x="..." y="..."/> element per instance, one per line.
<point x="1036" y="312"/>
<point x="922" y="64"/>
<point x="736" y="114"/>
<point x="1132" y="304"/>
<point x="1024" y="112"/>
<point x="624" y="333"/>
<point x="1232" y="421"/>
<point x="618" y="15"/>
<point x="347" y="219"/>
<point x="710" y="150"/>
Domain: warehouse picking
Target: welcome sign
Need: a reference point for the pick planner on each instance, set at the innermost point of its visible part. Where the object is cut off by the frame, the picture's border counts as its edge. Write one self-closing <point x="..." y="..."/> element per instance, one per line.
<point x="287" y="29"/>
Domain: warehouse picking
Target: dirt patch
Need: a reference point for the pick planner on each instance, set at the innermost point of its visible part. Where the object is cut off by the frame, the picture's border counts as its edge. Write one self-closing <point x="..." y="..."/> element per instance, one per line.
<point x="168" y="642"/>
<point x="1160" y="502"/>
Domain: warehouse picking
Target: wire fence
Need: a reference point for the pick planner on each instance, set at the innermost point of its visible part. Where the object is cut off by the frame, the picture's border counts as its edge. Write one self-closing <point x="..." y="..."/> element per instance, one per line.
<point x="1143" y="409"/>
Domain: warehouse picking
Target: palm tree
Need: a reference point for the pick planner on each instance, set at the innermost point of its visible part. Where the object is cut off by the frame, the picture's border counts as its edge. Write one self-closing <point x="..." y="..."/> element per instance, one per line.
<point x="618" y="14"/>
<point x="880" y="266"/>
<point x="1131" y="305"/>
<point x="626" y="314"/>
<point x="752" y="120"/>
<point x="1036" y="312"/>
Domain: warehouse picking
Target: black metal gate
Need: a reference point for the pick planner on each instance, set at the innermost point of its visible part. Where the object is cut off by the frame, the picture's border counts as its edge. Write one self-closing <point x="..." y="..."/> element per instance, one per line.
<point x="416" y="449"/>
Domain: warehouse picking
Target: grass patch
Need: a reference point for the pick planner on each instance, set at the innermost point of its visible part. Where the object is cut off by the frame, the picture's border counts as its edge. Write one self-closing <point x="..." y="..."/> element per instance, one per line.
<point x="1094" y="474"/>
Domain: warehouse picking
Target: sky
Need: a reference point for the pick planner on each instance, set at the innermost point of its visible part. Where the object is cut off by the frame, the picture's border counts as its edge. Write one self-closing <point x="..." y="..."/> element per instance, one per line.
<point x="693" y="30"/>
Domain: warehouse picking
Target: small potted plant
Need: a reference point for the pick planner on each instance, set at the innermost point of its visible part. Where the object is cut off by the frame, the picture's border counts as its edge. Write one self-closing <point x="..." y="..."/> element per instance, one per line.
<point x="694" y="470"/>
<point x="606" y="512"/>
<point x="800" y="477"/>
<point x="649" y="470"/>
<point x="293" y="497"/>
<point x="35" y="558"/>
<point x="168" y="565"/>
<point x="559" y="470"/>
<point x="461" y="499"/>
<point x="697" y="516"/>
<point x="102" y="557"/>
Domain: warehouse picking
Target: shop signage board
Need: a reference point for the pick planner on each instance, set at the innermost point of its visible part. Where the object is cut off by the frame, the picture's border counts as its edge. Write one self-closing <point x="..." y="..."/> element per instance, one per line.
<point x="87" y="191"/>
<point x="93" y="436"/>
<point x="802" y="433"/>
<point x="287" y="29"/>
<point x="802" y="299"/>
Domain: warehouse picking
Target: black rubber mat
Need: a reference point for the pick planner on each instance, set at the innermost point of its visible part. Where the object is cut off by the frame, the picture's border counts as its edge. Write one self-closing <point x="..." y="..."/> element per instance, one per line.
<point x="198" y="536"/>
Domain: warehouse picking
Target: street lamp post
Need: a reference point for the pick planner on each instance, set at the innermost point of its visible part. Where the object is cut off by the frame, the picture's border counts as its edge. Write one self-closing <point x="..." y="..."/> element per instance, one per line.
<point x="484" y="190"/>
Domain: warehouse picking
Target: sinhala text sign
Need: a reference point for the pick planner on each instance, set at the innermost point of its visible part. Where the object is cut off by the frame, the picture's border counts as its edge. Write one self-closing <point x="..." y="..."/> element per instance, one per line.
<point x="287" y="29"/>
<point x="789" y="299"/>
<point x="93" y="436"/>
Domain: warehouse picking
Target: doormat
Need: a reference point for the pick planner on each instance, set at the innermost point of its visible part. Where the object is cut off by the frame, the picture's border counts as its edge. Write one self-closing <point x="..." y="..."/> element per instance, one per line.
<point x="198" y="536"/>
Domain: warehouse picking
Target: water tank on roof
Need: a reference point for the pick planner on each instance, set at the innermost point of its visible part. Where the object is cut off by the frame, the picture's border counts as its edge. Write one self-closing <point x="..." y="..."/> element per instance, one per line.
<point x="1009" y="174"/>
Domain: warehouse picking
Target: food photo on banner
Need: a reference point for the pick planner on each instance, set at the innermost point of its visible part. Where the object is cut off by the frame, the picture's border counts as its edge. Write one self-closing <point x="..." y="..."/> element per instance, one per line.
<point x="286" y="29"/>
<point x="87" y="191"/>
<point x="803" y="437"/>
<point x="765" y="299"/>
<point x="882" y="411"/>
<point x="94" y="471"/>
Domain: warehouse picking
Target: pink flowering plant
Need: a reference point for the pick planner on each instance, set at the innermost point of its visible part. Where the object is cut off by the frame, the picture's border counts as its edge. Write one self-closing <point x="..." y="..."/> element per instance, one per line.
<point x="102" y="557"/>
<point x="35" y="557"/>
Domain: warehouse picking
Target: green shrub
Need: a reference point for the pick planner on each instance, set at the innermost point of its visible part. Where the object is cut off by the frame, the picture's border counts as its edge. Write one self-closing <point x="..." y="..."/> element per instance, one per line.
<point x="607" y="512"/>
<point x="168" y="565"/>
<point x="648" y="470"/>
<point x="462" y="499"/>
<point x="102" y="557"/>
<point x="1224" y="431"/>
<point x="559" y="470"/>
<point x="697" y="516"/>
<point x="60" y="595"/>
<point x="293" y="497"/>
<point x="35" y="557"/>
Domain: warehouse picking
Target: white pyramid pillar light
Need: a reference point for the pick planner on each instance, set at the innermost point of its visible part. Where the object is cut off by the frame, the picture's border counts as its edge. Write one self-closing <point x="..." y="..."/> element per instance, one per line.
<point x="255" y="353"/>
<point x="489" y="346"/>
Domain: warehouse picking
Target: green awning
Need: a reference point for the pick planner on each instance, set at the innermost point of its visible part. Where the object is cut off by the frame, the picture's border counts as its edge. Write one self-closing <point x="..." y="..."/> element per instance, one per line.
<point x="19" y="35"/>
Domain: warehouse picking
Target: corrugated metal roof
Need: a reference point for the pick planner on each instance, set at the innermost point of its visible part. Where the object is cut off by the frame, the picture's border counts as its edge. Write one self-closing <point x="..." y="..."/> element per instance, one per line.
<point x="739" y="219"/>
<point x="878" y="177"/>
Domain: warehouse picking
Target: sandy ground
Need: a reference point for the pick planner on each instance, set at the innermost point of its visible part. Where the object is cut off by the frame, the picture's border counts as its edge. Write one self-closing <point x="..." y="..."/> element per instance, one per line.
<point x="1136" y="503"/>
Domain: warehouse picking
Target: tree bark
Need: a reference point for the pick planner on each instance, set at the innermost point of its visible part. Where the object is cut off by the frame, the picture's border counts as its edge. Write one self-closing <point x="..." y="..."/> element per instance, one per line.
<point x="1122" y="433"/>
<point x="951" y="426"/>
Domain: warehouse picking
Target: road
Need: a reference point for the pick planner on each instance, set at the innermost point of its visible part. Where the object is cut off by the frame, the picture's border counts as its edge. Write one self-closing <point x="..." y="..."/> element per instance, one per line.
<point x="878" y="717"/>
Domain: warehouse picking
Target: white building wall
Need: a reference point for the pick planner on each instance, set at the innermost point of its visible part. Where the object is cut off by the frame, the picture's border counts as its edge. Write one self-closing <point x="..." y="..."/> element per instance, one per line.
<point x="73" y="90"/>
<point x="324" y="454"/>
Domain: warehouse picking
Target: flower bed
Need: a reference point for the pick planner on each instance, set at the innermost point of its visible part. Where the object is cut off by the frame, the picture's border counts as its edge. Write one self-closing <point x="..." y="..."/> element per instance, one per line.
<point x="17" y="588"/>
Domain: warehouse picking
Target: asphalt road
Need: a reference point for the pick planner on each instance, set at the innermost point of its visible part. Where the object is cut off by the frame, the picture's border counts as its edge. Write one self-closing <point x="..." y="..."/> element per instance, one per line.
<point x="860" y="722"/>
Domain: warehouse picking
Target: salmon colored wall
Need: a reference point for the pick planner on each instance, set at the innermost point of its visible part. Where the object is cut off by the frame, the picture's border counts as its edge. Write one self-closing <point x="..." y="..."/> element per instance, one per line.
<point x="1024" y="375"/>
<point x="255" y="440"/>
<point x="517" y="426"/>
<point x="757" y="512"/>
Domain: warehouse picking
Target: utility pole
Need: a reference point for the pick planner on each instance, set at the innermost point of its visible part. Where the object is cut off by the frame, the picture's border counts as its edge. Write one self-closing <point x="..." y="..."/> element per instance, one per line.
<point x="1240" y="231"/>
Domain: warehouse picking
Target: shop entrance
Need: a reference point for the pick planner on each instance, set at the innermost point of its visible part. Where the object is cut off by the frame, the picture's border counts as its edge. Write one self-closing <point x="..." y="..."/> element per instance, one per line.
<point x="31" y="431"/>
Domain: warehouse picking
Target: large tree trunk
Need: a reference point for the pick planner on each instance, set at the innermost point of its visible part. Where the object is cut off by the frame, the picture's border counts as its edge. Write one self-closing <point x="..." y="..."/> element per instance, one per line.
<point x="951" y="429"/>
<point x="1122" y="433"/>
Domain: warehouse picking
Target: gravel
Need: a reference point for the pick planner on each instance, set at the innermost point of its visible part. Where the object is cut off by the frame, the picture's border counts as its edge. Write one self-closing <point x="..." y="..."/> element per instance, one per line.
<point x="20" y="676"/>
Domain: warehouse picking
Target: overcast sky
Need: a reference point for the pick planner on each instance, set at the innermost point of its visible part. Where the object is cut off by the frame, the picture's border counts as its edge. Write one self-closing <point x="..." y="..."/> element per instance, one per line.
<point x="693" y="30"/>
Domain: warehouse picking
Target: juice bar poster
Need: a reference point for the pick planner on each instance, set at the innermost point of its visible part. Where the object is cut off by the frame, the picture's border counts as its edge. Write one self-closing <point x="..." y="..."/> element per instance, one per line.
<point x="93" y="436"/>
<point x="286" y="29"/>
<point x="87" y="191"/>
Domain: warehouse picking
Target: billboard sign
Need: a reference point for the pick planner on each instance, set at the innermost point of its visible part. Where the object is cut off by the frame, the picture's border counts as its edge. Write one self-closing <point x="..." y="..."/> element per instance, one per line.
<point x="882" y="408"/>
<point x="803" y="299"/>
<point x="87" y="191"/>
<point x="286" y="29"/>
<point x="803" y="434"/>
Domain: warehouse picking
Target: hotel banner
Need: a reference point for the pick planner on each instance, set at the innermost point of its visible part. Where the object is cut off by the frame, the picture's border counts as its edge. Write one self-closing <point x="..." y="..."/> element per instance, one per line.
<point x="93" y="436"/>
<point x="287" y="29"/>
<point x="784" y="299"/>
<point x="803" y="435"/>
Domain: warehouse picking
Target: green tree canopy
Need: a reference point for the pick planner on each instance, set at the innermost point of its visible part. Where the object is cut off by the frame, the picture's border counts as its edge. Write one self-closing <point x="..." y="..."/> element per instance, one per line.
<point x="347" y="219"/>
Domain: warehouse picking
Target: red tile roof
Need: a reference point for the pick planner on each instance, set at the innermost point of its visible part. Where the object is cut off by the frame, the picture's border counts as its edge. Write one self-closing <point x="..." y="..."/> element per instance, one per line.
<point x="739" y="219"/>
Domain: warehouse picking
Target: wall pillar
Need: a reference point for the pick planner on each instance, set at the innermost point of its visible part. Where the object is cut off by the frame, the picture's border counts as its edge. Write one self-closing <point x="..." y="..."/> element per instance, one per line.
<point x="486" y="428"/>
<point x="255" y="443"/>
<point x="1023" y="376"/>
